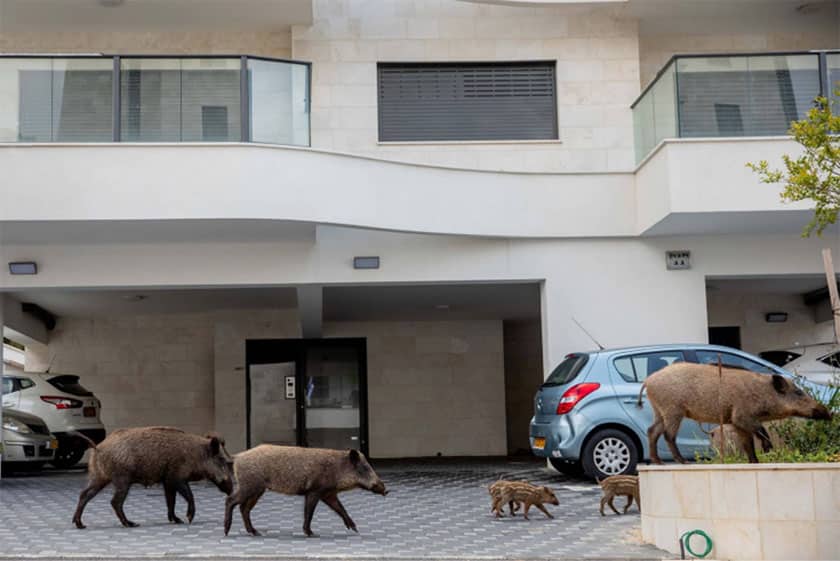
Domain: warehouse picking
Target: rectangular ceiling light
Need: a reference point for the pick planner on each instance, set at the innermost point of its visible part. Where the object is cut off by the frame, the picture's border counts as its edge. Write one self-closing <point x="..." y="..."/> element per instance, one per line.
<point x="23" y="268"/>
<point x="370" y="262"/>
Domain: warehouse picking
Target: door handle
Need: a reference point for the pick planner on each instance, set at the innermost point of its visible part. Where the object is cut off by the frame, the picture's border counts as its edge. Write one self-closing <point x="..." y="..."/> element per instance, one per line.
<point x="631" y="400"/>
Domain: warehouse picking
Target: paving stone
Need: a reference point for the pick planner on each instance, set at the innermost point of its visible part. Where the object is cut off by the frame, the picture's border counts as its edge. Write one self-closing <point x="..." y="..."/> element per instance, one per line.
<point x="436" y="509"/>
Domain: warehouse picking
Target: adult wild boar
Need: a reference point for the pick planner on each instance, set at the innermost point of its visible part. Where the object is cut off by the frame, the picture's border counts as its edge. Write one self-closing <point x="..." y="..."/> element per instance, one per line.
<point x="150" y="455"/>
<point x="317" y="474"/>
<point x="732" y="396"/>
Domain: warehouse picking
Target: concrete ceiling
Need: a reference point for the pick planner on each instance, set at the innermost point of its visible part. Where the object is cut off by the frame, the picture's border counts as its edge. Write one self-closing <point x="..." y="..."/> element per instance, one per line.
<point x="141" y="15"/>
<point x="795" y="284"/>
<point x="712" y="223"/>
<point x="344" y="303"/>
<point x="432" y="302"/>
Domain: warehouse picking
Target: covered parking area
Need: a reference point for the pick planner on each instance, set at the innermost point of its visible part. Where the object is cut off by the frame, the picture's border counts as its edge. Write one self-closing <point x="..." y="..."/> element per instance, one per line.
<point x="769" y="315"/>
<point x="400" y="371"/>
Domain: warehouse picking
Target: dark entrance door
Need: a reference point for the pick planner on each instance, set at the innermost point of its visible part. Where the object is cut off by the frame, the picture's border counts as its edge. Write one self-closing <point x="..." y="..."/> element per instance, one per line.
<point x="307" y="392"/>
<point x="726" y="336"/>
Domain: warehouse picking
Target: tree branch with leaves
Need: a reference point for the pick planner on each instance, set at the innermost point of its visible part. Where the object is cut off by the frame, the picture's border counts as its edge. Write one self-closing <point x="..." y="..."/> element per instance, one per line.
<point x="815" y="174"/>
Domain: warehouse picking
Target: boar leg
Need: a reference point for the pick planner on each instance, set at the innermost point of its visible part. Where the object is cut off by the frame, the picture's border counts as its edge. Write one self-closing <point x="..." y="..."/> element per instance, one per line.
<point x="672" y="427"/>
<point x="183" y="488"/>
<point x="629" y="502"/>
<point x="543" y="509"/>
<point x="309" y="505"/>
<point x="331" y="500"/>
<point x="169" y="490"/>
<point x="525" y="511"/>
<point x="122" y="486"/>
<point x="745" y="439"/>
<point x="85" y="496"/>
<point x="245" y="511"/>
<point x="654" y="432"/>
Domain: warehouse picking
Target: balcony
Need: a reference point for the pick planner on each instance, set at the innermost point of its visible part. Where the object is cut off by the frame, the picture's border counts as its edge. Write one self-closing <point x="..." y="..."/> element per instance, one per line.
<point x="99" y="98"/>
<point x="725" y="96"/>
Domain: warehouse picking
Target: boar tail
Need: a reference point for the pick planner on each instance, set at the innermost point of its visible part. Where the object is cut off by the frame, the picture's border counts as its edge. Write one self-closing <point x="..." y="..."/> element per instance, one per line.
<point x="88" y="441"/>
<point x="641" y="391"/>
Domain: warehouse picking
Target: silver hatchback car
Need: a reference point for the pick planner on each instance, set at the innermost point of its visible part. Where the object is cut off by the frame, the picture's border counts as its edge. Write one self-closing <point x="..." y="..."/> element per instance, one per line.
<point x="585" y="413"/>
<point x="26" y="439"/>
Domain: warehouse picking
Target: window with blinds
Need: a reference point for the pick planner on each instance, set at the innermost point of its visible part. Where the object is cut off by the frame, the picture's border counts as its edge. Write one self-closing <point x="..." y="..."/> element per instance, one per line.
<point x="467" y="101"/>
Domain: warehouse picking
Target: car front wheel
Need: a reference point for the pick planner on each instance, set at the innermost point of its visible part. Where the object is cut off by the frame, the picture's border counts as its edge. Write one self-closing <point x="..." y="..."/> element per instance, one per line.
<point x="68" y="455"/>
<point x="609" y="452"/>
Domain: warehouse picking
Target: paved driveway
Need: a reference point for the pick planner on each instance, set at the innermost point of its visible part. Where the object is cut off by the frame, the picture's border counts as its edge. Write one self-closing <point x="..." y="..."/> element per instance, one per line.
<point x="436" y="509"/>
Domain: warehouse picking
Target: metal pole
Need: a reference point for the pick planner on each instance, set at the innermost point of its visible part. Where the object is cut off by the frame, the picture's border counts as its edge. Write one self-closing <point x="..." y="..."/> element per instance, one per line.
<point x="244" y="101"/>
<point x="116" y="100"/>
<point x="825" y="86"/>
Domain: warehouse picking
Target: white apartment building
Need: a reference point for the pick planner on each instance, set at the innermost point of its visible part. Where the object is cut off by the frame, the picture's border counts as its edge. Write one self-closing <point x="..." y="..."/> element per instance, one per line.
<point x="381" y="223"/>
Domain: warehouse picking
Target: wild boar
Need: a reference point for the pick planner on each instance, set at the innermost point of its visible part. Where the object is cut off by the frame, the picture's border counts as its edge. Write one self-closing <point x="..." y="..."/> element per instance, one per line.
<point x="496" y="490"/>
<point x="317" y="474"/>
<point x="620" y="485"/>
<point x="732" y="396"/>
<point x="528" y="495"/>
<point x="150" y="455"/>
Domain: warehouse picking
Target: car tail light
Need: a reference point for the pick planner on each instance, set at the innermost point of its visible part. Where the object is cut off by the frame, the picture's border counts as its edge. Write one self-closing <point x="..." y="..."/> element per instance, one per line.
<point x="62" y="402"/>
<point x="573" y="395"/>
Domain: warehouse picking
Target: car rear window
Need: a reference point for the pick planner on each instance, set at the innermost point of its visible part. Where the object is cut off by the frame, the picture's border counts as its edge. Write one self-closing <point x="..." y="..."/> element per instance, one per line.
<point x="779" y="358"/>
<point x="69" y="384"/>
<point x="567" y="370"/>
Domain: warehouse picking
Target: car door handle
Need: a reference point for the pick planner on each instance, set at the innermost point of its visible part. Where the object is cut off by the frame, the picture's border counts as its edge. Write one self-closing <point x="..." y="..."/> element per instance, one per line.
<point x="631" y="400"/>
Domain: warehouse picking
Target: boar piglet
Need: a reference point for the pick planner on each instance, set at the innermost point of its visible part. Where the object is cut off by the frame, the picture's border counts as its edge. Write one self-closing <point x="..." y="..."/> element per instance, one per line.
<point x="732" y="396"/>
<point x="315" y="473"/>
<point x="150" y="455"/>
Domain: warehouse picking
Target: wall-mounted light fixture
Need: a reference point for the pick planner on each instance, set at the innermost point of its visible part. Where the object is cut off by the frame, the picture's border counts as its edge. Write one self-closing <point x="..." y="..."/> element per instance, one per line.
<point x="23" y="268"/>
<point x="776" y="317"/>
<point x="369" y="262"/>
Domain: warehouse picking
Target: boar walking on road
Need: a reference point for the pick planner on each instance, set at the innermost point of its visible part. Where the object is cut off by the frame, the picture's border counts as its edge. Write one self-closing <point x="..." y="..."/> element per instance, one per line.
<point x="496" y="490"/>
<point x="732" y="396"/>
<point x="526" y="494"/>
<point x="317" y="474"/>
<point x="151" y="455"/>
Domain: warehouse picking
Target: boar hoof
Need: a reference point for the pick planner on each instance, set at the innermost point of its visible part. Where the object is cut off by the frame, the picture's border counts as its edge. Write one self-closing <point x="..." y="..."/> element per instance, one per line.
<point x="79" y="524"/>
<point x="254" y="532"/>
<point x="130" y="524"/>
<point x="176" y="520"/>
<point x="190" y="518"/>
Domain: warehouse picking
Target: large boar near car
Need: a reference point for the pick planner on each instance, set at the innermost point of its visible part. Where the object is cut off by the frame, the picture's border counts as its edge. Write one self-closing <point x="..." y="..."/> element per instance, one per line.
<point x="150" y="455"/>
<point x="707" y="394"/>
<point x="317" y="474"/>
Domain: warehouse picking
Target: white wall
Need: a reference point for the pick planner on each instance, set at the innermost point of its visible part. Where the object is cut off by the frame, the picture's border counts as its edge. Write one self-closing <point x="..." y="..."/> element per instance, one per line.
<point x="596" y="49"/>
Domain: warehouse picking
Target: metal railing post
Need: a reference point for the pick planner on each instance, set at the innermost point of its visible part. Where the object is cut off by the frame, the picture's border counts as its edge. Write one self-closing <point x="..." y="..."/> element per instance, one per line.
<point x="825" y="87"/>
<point x="116" y="100"/>
<point x="244" y="101"/>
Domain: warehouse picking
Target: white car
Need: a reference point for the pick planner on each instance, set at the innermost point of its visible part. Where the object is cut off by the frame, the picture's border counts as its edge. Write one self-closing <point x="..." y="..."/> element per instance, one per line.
<point x="818" y="363"/>
<point x="64" y="405"/>
<point x="26" y="440"/>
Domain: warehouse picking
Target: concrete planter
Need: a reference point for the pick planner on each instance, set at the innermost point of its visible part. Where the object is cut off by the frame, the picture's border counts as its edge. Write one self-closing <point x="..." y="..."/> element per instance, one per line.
<point x="751" y="511"/>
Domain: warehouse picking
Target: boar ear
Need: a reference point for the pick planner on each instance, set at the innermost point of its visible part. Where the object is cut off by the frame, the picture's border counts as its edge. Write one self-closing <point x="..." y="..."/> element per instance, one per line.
<point x="779" y="383"/>
<point x="354" y="457"/>
<point x="215" y="446"/>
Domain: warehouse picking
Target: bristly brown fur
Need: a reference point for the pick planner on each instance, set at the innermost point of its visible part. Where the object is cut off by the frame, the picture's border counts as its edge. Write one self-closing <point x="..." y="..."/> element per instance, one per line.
<point x="524" y="493"/>
<point x="620" y="485"/>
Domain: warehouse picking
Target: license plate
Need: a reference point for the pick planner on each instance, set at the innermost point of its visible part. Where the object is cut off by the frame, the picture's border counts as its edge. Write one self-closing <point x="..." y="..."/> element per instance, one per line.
<point x="53" y="444"/>
<point x="539" y="443"/>
<point x="89" y="412"/>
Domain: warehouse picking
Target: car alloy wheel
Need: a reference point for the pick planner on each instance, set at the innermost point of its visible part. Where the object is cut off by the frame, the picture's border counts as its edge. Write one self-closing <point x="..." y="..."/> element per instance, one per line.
<point x="611" y="456"/>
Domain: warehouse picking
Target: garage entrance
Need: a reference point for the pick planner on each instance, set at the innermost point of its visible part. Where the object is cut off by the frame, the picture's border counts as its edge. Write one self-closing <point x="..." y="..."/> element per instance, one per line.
<point x="307" y="392"/>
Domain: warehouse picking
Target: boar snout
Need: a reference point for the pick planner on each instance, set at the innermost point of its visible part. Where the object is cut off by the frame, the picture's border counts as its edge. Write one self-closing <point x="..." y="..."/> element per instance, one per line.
<point x="225" y="485"/>
<point x="379" y="488"/>
<point x="821" y="413"/>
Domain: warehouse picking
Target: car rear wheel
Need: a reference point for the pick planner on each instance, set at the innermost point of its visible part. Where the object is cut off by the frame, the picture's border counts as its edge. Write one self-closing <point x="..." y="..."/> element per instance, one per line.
<point x="68" y="455"/>
<point x="609" y="452"/>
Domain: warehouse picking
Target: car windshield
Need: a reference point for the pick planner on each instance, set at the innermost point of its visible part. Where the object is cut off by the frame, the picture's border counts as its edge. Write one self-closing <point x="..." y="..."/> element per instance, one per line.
<point x="567" y="370"/>
<point x="69" y="384"/>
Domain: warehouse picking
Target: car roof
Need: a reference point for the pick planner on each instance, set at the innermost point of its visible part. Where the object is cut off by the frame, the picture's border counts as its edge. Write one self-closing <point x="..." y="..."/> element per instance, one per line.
<point x="666" y="347"/>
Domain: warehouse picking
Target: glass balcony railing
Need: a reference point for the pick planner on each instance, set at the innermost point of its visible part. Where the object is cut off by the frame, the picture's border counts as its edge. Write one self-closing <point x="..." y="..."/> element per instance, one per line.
<point x="730" y="96"/>
<point x="153" y="99"/>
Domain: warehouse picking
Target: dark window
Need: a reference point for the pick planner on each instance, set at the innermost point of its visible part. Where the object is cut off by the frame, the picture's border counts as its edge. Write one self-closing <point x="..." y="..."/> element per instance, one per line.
<point x="69" y="384"/>
<point x="729" y="119"/>
<point x="214" y="123"/>
<point x="729" y="336"/>
<point x="732" y="361"/>
<point x="636" y="368"/>
<point x="467" y="101"/>
<point x="779" y="358"/>
<point x="25" y="383"/>
<point x="567" y="370"/>
<point x="833" y="360"/>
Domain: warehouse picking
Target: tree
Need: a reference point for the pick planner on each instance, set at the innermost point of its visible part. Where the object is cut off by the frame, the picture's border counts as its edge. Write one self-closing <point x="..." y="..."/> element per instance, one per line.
<point x="815" y="174"/>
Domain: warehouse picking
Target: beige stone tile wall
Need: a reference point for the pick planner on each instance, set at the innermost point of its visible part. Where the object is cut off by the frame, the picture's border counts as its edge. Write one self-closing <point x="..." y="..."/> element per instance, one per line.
<point x="433" y="387"/>
<point x="146" y="370"/>
<point x="265" y="43"/>
<point x="656" y="49"/>
<point x="596" y="50"/>
<point x="523" y="375"/>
